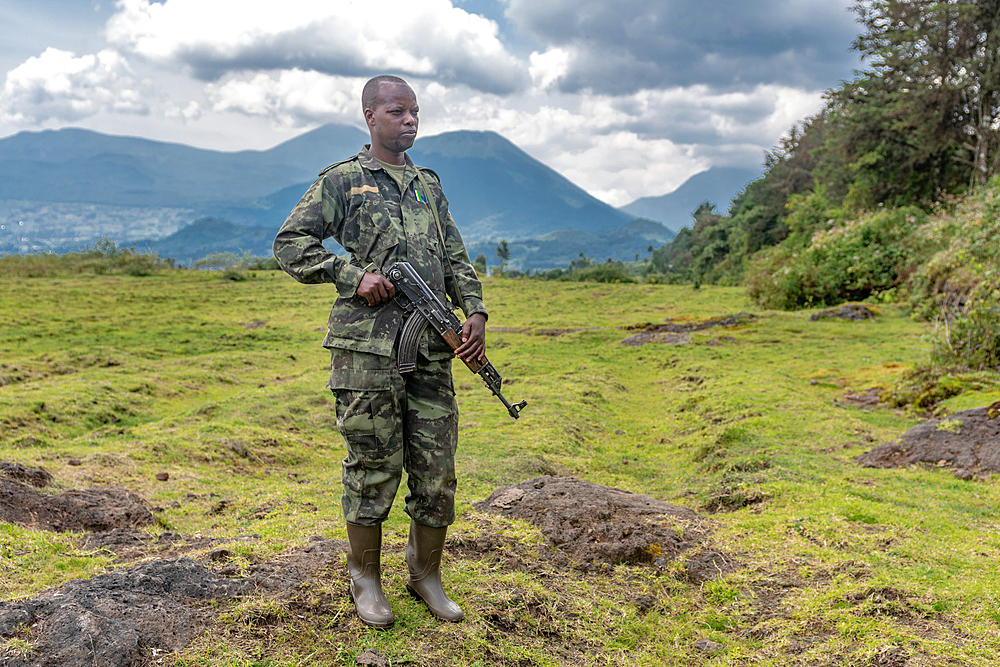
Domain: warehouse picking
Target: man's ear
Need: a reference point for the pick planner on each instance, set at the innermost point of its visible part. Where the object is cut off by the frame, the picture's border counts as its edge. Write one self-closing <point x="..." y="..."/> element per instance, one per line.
<point x="370" y="117"/>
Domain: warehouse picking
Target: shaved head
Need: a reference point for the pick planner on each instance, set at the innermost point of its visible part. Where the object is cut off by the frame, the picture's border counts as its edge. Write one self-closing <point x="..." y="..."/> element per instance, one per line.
<point x="371" y="96"/>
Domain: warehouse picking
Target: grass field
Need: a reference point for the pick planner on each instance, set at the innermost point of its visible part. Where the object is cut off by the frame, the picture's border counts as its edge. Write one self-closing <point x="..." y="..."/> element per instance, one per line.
<point x="221" y="384"/>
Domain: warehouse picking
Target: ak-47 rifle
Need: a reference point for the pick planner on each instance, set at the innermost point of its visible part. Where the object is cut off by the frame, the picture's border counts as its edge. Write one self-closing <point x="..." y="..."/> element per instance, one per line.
<point x="424" y="308"/>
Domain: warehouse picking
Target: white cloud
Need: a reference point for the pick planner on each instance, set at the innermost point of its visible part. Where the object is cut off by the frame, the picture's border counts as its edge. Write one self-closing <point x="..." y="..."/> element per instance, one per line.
<point x="59" y="86"/>
<point x="192" y="111"/>
<point x="292" y="98"/>
<point x="620" y="148"/>
<point x="548" y="67"/>
<point x="430" y="38"/>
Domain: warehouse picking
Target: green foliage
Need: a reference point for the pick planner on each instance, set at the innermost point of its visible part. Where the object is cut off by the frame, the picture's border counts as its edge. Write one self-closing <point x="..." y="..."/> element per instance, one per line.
<point x="235" y="266"/>
<point x="609" y="272"/>
<point x="503" y="254"/>
<point x="926" y="387"/>
<point x="851" y="261"/>
<point x="972" y="341"/>
<point x="480" y="264"/>
<point x="920" y="124"/>
<point x="105" y="258"/>
<point x="584" y="269"/>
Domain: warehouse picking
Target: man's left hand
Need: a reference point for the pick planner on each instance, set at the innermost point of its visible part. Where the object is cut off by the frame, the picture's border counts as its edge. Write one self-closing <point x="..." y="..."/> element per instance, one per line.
<point x="473" y="339"/>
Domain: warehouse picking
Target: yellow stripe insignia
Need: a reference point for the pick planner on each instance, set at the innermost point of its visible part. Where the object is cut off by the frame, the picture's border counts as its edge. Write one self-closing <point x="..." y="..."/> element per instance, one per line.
<point x="361" y="189"/>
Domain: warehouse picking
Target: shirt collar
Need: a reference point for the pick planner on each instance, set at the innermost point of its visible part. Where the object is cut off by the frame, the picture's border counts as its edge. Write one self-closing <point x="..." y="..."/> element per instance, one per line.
<point x="368" y="161"/>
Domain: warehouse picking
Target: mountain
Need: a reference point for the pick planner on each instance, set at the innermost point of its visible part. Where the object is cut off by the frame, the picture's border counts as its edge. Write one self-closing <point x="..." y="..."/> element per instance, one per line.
<point x="131" y="189"/>
<point x="74" y="165"/>
<point x="211" y="235"/>
<point x="496" y="190"/>
<point x="718" y="185"/>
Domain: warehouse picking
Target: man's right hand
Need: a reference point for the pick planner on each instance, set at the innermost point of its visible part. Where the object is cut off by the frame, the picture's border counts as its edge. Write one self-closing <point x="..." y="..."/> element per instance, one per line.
<point x="375" y="289"/>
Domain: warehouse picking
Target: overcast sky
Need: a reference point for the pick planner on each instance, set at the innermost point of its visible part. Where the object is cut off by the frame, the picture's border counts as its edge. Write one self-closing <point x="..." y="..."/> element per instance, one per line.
<point x="626" y="98"/>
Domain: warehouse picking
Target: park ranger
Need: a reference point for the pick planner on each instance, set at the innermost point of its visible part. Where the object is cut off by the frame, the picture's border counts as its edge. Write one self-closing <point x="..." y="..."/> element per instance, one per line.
<point x="382" y="209"/>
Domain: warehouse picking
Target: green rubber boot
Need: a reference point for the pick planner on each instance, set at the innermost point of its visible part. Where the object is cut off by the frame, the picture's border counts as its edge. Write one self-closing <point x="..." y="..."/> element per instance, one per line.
<point x="364" y="566"/>
<point x="423" y="560"/>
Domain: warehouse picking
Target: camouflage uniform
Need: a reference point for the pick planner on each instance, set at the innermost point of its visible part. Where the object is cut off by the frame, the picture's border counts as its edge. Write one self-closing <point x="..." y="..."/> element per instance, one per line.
<point x="390" y="422"/>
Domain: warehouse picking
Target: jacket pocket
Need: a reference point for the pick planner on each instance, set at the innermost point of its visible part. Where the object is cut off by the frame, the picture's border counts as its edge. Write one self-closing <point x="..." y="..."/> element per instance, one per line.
<point x="352" y="318"/>
<point x="360" y="371"/>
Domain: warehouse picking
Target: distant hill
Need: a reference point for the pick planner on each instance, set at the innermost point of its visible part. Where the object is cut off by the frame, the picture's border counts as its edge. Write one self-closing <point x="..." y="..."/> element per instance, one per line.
<point x="74" y="165"/>
<point x="718" y="185"/>
<point x="136" y="189"/>
<point x="496" y="190"/>
<point x="211" y="235"/>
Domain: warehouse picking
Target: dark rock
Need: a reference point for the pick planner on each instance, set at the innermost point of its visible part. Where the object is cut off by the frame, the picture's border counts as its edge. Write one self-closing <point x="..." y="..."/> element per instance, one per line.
<point x="373" y="658"/>
<point x="846" y="311"/>
<point x="967" y="441"/>
<point x="163" y="476"/>
<point x="708" y="646"/>
<point x="645" y="602"/>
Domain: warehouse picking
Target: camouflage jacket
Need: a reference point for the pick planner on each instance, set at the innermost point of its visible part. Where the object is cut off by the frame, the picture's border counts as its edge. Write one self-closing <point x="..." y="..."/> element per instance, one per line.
<point x="358" y="204"/>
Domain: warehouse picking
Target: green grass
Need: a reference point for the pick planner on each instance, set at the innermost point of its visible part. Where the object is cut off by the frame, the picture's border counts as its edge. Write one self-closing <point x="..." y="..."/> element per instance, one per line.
<point x="840" y="565"/>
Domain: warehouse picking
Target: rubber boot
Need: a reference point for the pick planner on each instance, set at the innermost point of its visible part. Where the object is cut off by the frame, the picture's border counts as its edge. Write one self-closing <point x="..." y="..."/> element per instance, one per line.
<point x="423" y="560"/>
<point x="364" y="566"/>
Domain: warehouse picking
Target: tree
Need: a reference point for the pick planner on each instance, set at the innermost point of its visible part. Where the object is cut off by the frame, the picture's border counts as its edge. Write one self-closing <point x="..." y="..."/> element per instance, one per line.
<point x="926" y="116"/>
<point x="480" y="264"/>
<point x="503" y="254"/>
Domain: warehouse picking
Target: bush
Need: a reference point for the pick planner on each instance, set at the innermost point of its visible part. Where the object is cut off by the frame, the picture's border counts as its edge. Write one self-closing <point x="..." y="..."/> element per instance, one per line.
<point x="849" y="262"/>
<point x="104" y="258"/>
<point x="235" y="266"/>
<point x="972" y="341"/>
<point x="613" y="272"/>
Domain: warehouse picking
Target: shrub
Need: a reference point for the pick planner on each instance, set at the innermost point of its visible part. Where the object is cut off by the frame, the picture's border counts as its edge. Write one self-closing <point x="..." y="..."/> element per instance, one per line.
<point x="104" y="258"/>
<point x="612" y="272"/>
<point x="972" y="341"/>
<point x="849" y="262"/>
<point x="235" y="266"/>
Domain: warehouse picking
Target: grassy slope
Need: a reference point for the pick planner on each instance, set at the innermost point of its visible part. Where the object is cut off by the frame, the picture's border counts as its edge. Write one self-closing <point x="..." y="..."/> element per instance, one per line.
<point x="842" y="565"/>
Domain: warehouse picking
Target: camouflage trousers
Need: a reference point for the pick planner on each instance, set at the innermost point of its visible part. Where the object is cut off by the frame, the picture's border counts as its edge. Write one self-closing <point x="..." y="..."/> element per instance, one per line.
<point x="392" y="423"/>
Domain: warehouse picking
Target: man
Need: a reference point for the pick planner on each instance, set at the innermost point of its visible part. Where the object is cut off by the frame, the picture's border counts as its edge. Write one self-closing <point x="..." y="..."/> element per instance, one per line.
<point x="382" y="209"/>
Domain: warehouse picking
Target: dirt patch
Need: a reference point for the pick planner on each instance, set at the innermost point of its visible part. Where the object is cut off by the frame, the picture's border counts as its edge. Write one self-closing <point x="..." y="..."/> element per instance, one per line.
<point x="91" y="510"/>
<point x="597" y="525"/>
<point x="22" y="473"/>
<point x="123" y="618"/>
<point x="967" y="441"/>
<point x="868" y="398"/>
<point x="131" y="545"/>
<point x="679" y="333"/>
<point x="846" y="311"/>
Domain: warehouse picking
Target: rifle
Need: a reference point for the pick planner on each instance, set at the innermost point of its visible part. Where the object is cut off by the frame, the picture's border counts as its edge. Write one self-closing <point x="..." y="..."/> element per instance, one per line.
<point x="424" y="308"/>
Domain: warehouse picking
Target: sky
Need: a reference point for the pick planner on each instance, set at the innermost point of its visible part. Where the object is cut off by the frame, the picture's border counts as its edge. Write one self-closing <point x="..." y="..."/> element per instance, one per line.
<point x="626" y="98"/>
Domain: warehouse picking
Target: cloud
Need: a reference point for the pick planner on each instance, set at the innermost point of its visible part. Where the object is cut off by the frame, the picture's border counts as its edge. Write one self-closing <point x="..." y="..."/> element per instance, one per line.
<point x="292" y="98"/>
<point x="430" y="39"/>
<point x="628" y="45"/>
<point x="58" y="86"/>
<point x="622" y="147"/>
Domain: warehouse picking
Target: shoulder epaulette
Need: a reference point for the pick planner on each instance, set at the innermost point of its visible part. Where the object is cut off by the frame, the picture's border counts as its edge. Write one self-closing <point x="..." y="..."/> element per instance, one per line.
<point x="430" y="171"/>
<point x="337" y="164"/>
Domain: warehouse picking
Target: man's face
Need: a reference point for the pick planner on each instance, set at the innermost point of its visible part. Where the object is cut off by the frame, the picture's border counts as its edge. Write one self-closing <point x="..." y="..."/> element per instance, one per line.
<point x="393" y="122"/>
